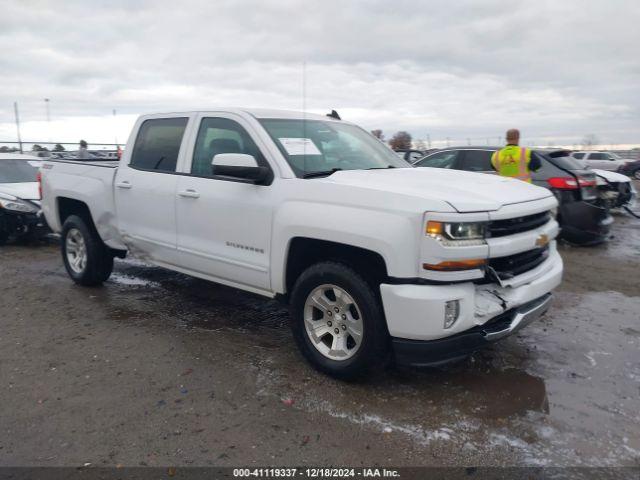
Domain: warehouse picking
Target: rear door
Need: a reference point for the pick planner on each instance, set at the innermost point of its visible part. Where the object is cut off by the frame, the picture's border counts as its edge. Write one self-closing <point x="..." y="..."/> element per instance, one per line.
<point x="597" y="160"/>
<point x="145" y="189"/>
<point x="224" y="225"/>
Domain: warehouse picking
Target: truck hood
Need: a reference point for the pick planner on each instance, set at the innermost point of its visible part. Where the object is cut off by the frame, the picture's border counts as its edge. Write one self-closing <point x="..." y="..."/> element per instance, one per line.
<point x="25" y="191"/>
<point x="464" y="191"/>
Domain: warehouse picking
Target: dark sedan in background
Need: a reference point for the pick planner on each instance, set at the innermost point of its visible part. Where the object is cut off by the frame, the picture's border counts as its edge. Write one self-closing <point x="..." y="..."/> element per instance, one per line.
<point x="583" y="220"/>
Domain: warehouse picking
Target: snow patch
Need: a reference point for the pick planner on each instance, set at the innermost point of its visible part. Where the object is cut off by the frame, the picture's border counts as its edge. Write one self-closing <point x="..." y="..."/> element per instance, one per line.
<point x="130" y="281"/>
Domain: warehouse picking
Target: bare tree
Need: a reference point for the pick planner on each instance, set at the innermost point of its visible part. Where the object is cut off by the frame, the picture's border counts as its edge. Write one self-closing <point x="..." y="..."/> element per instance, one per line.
<point x="590" y="140"/>
<point x="378" y="134"/>
<point x="420" y="144"/>
<point x="400" y="141"/>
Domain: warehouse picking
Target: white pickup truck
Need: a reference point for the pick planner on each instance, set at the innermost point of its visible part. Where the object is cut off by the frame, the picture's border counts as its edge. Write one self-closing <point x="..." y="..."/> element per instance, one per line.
<point x="378" y="260"/>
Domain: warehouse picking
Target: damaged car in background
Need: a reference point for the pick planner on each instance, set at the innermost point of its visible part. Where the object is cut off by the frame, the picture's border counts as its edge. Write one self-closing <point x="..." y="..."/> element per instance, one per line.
<point x="20" y="214"/>
<point x="615" y="190"/>
<point x="583" y="218"/>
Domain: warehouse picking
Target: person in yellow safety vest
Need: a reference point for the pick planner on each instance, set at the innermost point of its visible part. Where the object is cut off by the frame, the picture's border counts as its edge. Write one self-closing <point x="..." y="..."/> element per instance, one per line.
<point x="514" y="161"/>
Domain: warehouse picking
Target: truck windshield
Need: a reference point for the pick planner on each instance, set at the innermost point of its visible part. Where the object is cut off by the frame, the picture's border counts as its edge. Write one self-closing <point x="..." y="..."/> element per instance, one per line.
<point x="315" y="148"/>
<point x="17" y="171"/>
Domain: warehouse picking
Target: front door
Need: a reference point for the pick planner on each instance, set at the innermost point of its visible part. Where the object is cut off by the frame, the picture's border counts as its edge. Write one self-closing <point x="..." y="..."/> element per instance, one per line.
<point x="224" y="226"/>
<point x="145" y="189"/>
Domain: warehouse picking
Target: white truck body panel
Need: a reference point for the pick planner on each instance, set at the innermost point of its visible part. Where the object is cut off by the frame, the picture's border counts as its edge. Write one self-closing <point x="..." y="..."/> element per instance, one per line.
<point x="239" y="234"/>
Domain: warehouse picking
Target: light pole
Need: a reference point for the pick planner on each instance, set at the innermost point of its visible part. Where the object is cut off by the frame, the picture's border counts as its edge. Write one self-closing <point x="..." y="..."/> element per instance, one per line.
<point x="46" y="107"/>
<point x="115" y="126"/>
<point x="15" y="109"/>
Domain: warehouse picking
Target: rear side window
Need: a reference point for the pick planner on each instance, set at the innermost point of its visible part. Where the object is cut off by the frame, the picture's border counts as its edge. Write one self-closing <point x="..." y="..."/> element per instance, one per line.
<point x="439" y="160"/>
<point x="475" y="161"/>
<point x="578" y="155"/>
<point x="598" y="156"/>
<point x="158" y="144"/>
<point x="565" y="162"/>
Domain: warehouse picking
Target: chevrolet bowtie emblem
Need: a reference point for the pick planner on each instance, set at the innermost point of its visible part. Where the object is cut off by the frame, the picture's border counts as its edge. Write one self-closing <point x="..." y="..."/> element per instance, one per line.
<point x="542" y="240"/>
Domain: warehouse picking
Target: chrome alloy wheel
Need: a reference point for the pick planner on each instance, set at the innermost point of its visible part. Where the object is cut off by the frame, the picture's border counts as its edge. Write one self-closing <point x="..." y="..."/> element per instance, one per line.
<point x="333" y="322"/>
<point x="76" y="250"/>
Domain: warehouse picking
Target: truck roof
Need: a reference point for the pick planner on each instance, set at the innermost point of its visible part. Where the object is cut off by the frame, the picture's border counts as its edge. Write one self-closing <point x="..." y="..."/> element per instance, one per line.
<point x="257" y="113"/>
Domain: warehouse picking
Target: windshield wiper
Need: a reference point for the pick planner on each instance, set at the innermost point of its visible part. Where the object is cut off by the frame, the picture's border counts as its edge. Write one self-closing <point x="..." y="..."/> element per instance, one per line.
<point x="322" y="173"/>
<point x="381" y="168"/>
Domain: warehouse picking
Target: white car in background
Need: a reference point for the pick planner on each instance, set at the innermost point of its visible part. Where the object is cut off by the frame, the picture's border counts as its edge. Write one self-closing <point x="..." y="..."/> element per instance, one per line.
<point x="20" y="213"/>
<point x="602" y="160"/>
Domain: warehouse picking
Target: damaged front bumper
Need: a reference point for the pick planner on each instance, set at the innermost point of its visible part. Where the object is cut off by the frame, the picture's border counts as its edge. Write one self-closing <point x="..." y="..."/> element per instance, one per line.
<point x="433" y="352"/>
<point x="415" y="313"/>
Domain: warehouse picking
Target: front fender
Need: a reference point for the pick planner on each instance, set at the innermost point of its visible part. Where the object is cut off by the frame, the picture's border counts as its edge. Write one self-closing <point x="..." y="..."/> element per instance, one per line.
<point x="393" y="236"/>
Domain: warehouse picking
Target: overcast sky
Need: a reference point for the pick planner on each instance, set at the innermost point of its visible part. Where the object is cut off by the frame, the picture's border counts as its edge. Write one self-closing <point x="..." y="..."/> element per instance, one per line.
<point x="558" y="70"/>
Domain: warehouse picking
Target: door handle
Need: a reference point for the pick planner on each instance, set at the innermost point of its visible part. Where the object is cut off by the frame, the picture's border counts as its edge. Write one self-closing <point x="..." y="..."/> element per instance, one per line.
<point x="189" y="193"/>
<point x="123" y="184"/>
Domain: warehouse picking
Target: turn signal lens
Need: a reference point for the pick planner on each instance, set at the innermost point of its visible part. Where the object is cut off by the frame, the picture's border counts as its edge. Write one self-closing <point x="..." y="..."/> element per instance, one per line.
<point x="452" y="266"/>
<point x="39" y="180"/>
<point x="435" y="228"/>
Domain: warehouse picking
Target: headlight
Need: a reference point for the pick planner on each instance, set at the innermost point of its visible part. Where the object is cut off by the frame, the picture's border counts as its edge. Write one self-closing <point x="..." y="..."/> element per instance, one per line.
<point x="17" y="206"/>
<point x="458" y="233"/>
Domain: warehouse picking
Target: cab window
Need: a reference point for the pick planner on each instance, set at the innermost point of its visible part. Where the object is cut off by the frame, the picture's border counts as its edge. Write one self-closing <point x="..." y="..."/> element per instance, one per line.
<point x="221" y="135"/>
<point x="158" y="144"/>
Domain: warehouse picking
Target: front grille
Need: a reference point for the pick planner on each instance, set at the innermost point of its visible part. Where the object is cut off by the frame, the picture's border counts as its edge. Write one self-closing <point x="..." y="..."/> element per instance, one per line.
<point x="512" y="265"/>
<point x="501" y="228"/>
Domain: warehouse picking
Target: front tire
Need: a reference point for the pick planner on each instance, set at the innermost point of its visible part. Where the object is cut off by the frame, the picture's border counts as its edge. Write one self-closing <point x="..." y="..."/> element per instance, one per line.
<point x="338" y="321"/>
<point x="88" y="260"/>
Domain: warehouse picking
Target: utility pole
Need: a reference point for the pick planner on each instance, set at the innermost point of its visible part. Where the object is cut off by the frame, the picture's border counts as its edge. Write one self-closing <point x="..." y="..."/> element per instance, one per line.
<point x="468" y="141"/>
<point x="15" y="109"/>
<point x="448" y="143"/>
<point x="429" y="140"/>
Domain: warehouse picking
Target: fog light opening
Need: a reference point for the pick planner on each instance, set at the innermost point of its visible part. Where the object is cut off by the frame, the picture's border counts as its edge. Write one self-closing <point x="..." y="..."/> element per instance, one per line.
<point x="451" y="312"/>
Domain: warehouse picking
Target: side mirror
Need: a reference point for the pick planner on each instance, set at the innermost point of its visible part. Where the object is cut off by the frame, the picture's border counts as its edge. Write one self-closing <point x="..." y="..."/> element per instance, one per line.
<point x="238" y="166"/>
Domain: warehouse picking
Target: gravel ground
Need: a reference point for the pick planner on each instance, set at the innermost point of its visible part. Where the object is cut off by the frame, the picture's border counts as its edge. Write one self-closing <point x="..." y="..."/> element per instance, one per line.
<point x="156" y="368"/>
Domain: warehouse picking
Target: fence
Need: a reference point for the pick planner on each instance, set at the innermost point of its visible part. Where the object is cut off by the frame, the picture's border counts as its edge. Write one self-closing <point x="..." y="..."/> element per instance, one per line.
<point x="34" y="147"/>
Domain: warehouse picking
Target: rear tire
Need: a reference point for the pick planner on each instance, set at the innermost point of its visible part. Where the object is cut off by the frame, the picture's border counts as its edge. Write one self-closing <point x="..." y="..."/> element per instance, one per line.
<point x="338" y="321"/>
<point x="88" y="260"/>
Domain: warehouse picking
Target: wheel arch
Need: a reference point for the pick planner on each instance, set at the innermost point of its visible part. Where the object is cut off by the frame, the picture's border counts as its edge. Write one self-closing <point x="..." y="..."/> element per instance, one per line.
<point x="304" y="252"/>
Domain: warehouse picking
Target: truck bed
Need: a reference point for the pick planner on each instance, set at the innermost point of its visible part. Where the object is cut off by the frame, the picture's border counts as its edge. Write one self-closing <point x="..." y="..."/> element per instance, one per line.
<point x="90" y="182"/>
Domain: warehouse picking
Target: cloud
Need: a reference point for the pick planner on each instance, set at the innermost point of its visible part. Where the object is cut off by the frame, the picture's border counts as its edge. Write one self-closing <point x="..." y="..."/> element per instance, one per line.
<point x="557" y="70"/>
